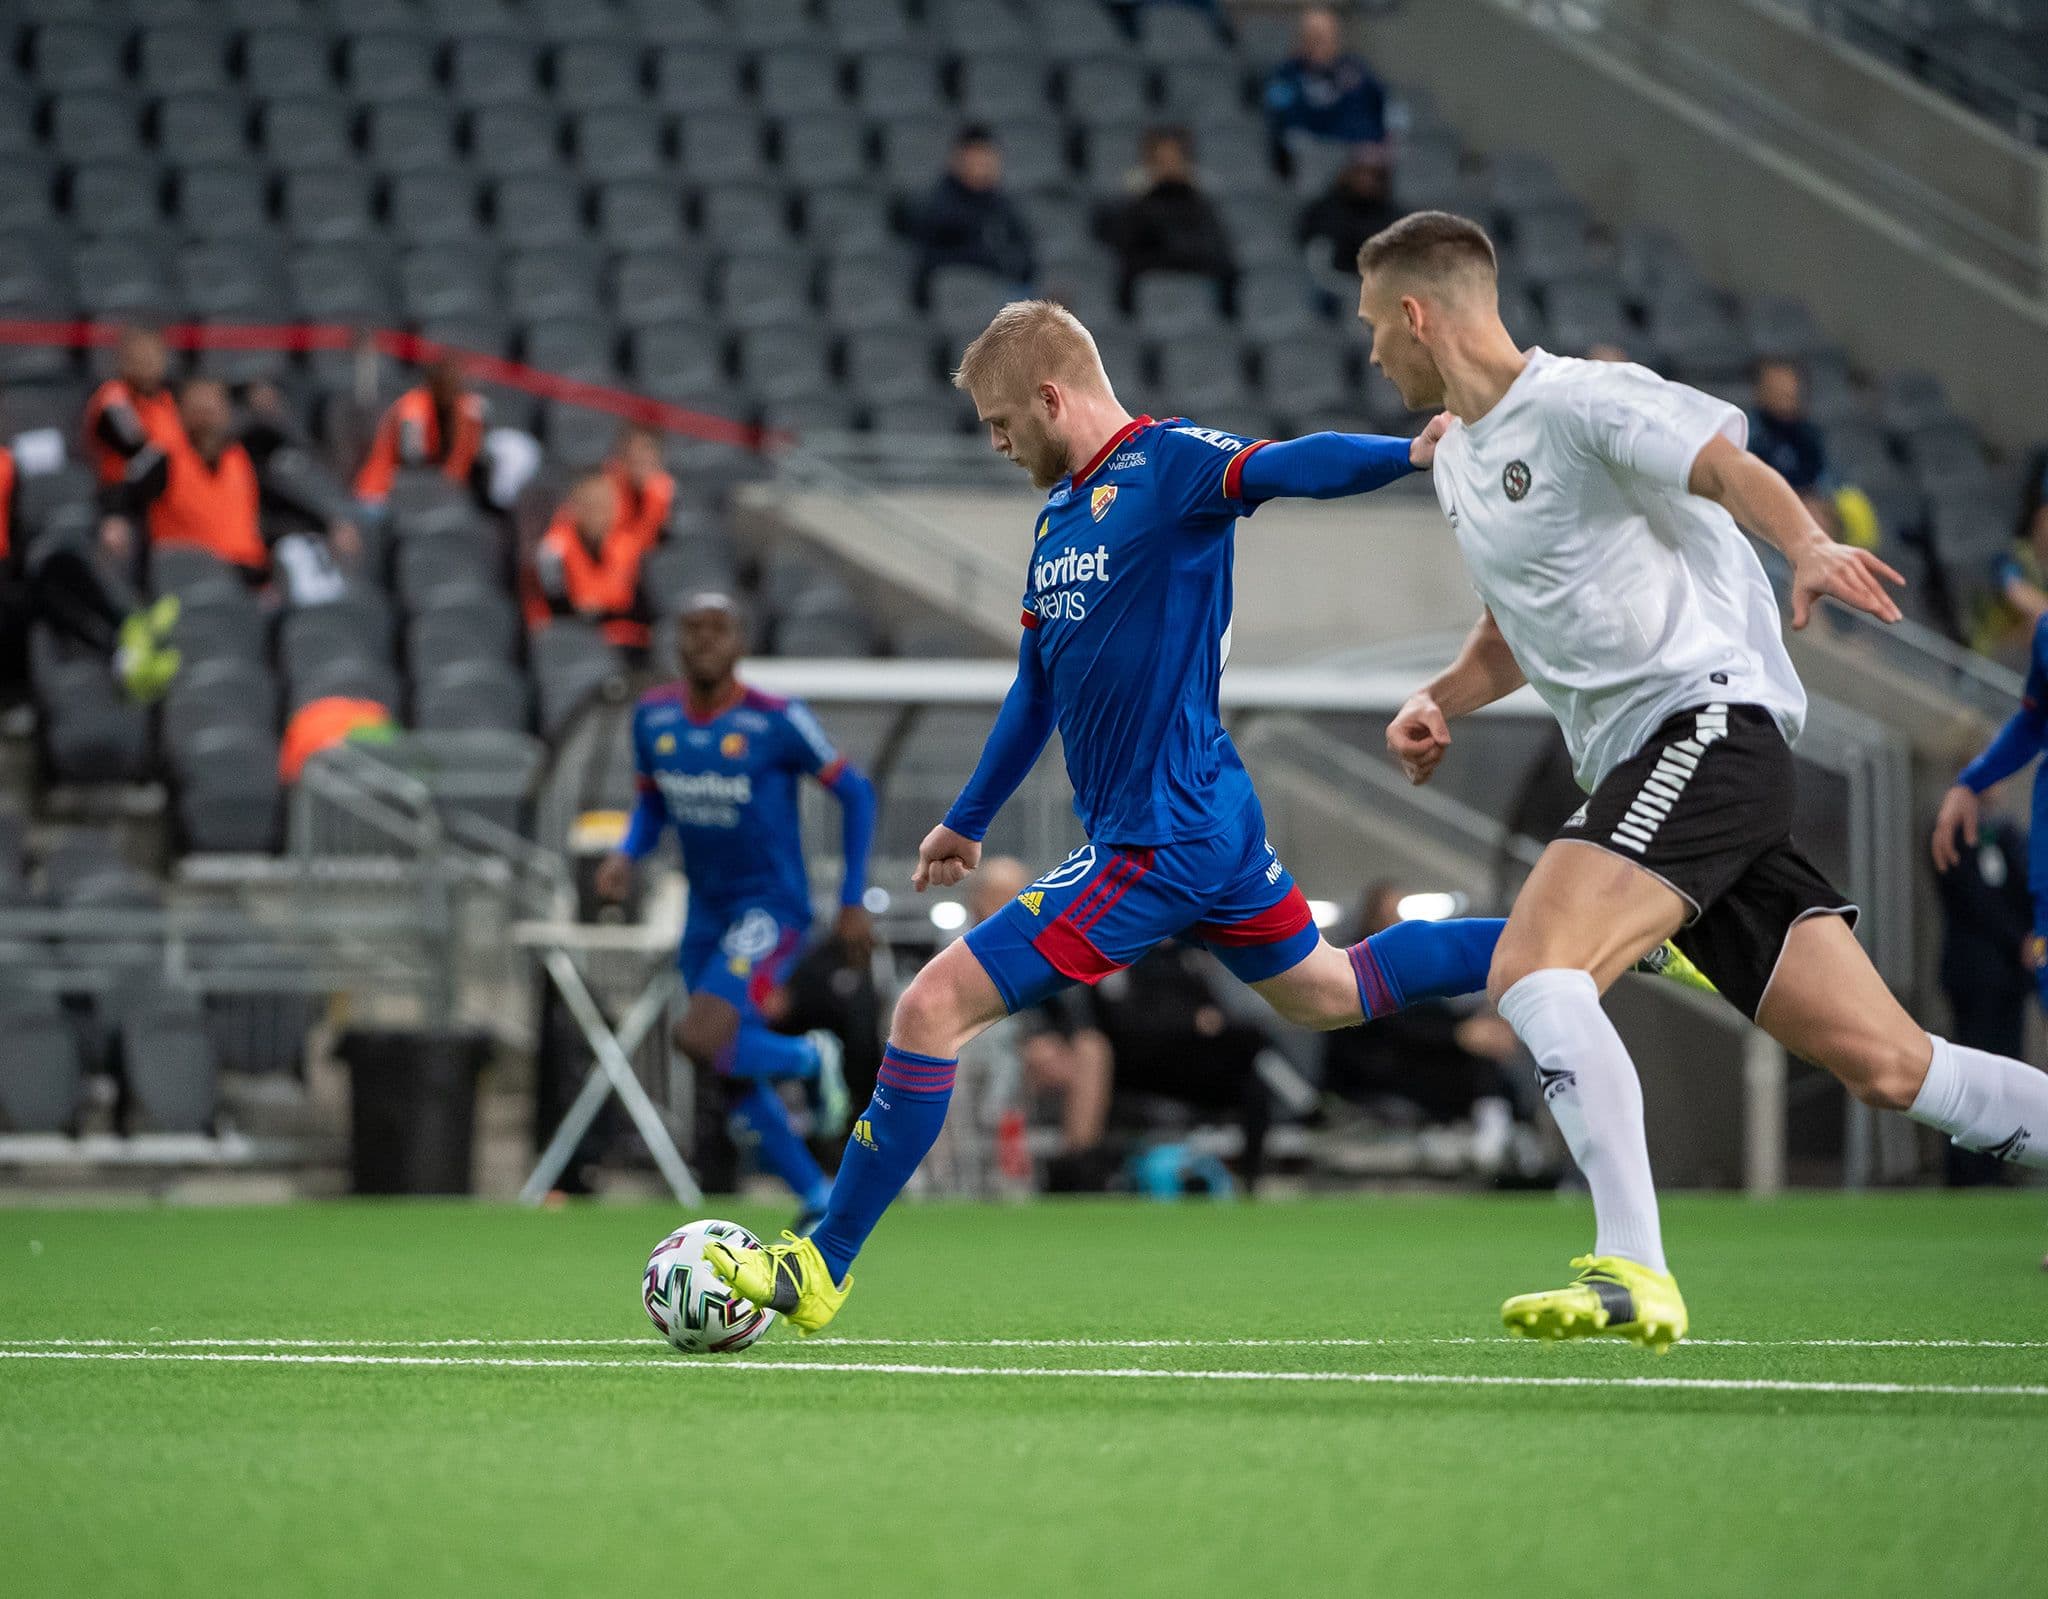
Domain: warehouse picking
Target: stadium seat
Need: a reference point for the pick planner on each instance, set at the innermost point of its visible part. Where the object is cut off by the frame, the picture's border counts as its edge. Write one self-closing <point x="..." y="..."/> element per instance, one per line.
<point x="656" y="286"/>
<point x="352" y="676"/>
<point x="783" y="362"/>
<point x="822" y="146"/>
<point x="595" y="71"/>
<point x="482" y="627"/>
<point x="217" y="622"/>
<point x="1427" y="173"/>
<point x="328" y="205"/>
<point x="1174" y="33"/>
<point x="991" y="87"/>
<point x="282" y="63"/>
<point x="553" y="281"/>
<point x="1200" y="377"/>
<point x="228" y="280"/>
<point x="793" y="79"/>
<point x="742" y="216"/>
<point x="311" y="634"/>
<point x="95" y="125"/>
<point x="383" y="66"/>
<point x="223" y="691"/>
<point x="762" y="287"/>
<point x="222" y="200"/>
<point x="576" y="436"/>
<point x="582" y="348"/>
<point x="768" y="24"/>
<point x="845" y="218"/>
<point x="1910" y="400"/>
<point x="181" y="59"/>
<point x="492" y="71"/>
<point x="201" y="127"/>
<point x="619" y="142"/>
<point x="1698" y="340"/>
<point x="699" y="79"/>
<point x="913" y="150"/>
<point x="969" y="28"/>
<point x="675" y="358"/>
<point x="867" y="24"/>
<point x="308" y="132"/>
<point x="408" y="136"/>
<point x="513" y="140"/>
<point x="42" y="1080"/>
<point x="1175" y="304"/>
<point x="962" y="299"/>
<point x="722" y="148"/>
<point x="471" y="695"/>
<point x="1078" y="28"/>
<point x="1584" y="312"/>
<point x="897" y="82"/>
<point x="1034" y="150"/>
<point x="1549" y="242"/>
<point x="1273" y="302"/>
<point x="1304" y="374"/>
<point x="539" y="209"/>
<point x="75" y="55"/>
<point x="437" y="206"/>
<point x="429" y="564"/>
<point x="695" y="23"/>
<point x="571" y="661"/>
<point x="868" y="289"/>
<point x="1209" y="93"/>
<point x="639" y="214"/>
<point x="116" y="197"/>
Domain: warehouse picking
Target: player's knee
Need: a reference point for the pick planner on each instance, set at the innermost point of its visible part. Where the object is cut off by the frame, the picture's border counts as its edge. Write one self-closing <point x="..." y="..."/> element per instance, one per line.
<point x="1883" y="1072"/>
<point x="701" y="1036"/>
<point x="928" y="1015"/>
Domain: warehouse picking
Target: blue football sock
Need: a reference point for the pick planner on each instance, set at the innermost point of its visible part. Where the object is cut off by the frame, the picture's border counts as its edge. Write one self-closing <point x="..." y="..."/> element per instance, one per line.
<point x="890" y="1137"/>
<point x="764" y="1122"/>
<point x="1413" y="961"/>
<point x="758" y="1054"/>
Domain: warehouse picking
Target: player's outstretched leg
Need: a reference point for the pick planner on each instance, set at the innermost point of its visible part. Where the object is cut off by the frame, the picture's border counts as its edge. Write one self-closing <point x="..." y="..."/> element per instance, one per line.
<point x="1827" y="1004"/>
<point x="807" y="1279"/>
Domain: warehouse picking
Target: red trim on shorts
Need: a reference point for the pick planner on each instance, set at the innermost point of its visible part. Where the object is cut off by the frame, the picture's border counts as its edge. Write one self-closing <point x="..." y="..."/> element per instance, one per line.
<point x="1072" y="954"/>
<point x="1233" y="474"/>
<point x="1125" y="868"/>
<point x="1270" y="926"/>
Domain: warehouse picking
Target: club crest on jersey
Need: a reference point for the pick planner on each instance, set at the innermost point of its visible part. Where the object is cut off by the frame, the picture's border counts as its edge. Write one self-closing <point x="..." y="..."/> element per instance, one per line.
<point x="1514" y="479"/>
<point x="1100" y="500"/>
<point x="733" y="746"/>
<point x="665" y="745"/>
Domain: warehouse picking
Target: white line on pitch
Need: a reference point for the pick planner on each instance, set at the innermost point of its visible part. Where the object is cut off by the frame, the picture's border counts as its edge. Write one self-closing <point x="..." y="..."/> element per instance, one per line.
<point x="1391" y="1379"/>
<point x="1008" y="1343"/>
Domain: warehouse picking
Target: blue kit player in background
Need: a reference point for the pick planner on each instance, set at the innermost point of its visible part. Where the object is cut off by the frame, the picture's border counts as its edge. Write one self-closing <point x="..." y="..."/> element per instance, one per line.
<point x="721" y="763"/>
<point x="2010" y="750"/>
<point x="1125" y="627"/>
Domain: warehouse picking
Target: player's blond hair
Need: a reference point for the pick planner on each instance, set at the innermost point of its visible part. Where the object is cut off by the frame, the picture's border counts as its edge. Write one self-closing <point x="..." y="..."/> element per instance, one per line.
<point x="1031" y="342"/>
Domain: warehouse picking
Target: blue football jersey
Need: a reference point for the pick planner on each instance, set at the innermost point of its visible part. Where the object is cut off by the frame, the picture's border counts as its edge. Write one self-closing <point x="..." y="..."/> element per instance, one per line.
<point x="728" y="783"/>
<point x="1129" y="604"/>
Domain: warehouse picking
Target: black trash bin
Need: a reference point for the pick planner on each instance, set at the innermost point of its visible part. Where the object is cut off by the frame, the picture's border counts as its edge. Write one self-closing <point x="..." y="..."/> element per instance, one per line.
<point x="412" y="1108"/>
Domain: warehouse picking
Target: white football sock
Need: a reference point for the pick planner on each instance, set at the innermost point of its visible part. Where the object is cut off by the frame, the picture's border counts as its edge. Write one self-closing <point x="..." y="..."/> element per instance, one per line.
<point x="1986" y="1102"/>
<point x="1592" y="1090"/>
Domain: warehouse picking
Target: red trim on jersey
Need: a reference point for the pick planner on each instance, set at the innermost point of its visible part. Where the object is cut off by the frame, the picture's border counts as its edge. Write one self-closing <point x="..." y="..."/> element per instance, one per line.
<point x="1270" y="926"/>
<point x="732" y="702"/>
<point x="1071" y="954"/>
<point x="1233" y="474"/>
<point x="829" y="773"/>
<point x="1032" y="619"/>
<point x="761" y="700"/>
<point x="1116" y="442"/>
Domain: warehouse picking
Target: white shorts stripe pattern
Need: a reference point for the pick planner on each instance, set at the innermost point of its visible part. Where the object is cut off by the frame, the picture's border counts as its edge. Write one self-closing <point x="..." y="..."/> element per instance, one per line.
<point x="1665" y="785"/>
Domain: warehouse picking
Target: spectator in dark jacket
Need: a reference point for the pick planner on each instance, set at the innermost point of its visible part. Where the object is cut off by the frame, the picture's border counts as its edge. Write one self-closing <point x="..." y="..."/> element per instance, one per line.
<point x="967" y="219"/>
<point x="1344" y="216"/>
<point x="1781" y="434"/>
<point x="1324" y="92"/>
<point x="1170" y="225"/>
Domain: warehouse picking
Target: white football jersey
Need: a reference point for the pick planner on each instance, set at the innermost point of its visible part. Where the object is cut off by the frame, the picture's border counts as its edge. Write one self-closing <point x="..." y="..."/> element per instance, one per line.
<point x="1625" y="598"/>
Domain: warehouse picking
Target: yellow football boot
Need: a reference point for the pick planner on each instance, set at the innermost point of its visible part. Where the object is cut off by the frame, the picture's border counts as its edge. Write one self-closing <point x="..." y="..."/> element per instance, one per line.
<point x="1667" y="960"/>
<point x="790" y="1279"/>
<point x="1612" y="1298"/>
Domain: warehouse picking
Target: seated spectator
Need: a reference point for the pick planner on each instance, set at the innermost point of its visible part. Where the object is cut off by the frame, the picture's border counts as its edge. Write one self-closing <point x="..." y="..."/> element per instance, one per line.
<point x="438" y="424"/>
<point x="56" y="581"/>
<point x="1781" y="433"/>
<point x="1323" y="92"/>
<point x="1442" y="1061"/>
<point x="204" y="489"/>
<point x="132" y="409"/>
<point x="646" y="493"/>
<point x="588" y="564"/>
<point x="1170" y="225"/>
<point x="1351" y="210"/>
<point x="967" y="219"/>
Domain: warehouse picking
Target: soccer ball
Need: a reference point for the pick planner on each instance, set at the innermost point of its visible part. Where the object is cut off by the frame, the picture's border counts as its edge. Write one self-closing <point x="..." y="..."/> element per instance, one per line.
<point x="688" y="1302"/>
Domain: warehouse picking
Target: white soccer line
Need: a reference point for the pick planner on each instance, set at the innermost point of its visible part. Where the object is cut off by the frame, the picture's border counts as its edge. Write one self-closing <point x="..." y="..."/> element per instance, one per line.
<point x="1392" y="1379"/>
<point x="1012" y="1343"/>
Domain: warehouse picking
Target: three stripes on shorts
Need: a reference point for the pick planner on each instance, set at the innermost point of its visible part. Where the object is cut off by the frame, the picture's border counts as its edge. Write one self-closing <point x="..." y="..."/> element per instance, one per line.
<point x="1666" y="782"/>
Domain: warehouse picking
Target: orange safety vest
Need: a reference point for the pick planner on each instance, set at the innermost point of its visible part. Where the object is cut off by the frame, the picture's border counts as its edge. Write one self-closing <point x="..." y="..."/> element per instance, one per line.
<point x="158" y="414"/>
<point x="213" y="507"/>
<point x="643" y="508"/>
<point x="6" y="502"/>
<point x="320" y="724"/>
<point x="605" y="583"/>
<point x="416" y="407"/>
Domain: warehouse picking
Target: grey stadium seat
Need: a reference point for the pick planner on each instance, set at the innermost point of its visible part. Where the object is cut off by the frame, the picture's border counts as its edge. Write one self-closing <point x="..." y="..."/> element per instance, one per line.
<point x="1108" y="87"/>
<point x="639" y="214"/>
<point x="230" y="281"/>
<point x="71" y="55"/>
<point x="675" y="358"/>
<point x="595" y="72"/>
<point x="765" y="24"/>
<point x="1305" y="374"/>
<point x="433" y="207"/>
<point x="822" y="146"/>
<point x="327" y="205"/>
<point x="408" y="135"/>
<point x="743" y="216"/>
<point x="1175" y="303"/>
<point x="387" y="66"/>
<point x="284" y="63"/>
<point x="650" y="287"/>
<point x="676" y="22"/>
<point x="1204" y="92"/>
<point x="113" y="197"/>
<point x="339" y="283"/>
<point x="312" y="131"/>
<point x="201" y="127"/>
<point x="355" y="676"/>
<point x="619" y="142"/>
<point x="914" y="148"/>
<point x="553" y="281"/>
<point x="897" y="82"/>
<point x="992" y="87"/>
<point x="484" y="627"/>
<point x="1171" y="33"/>
<point x="470" y="695"/>
<point x="795" y="79"/>
<point x="512" y="140"/>
<point x="1273" y="302"/>
<point x="1034" y="153"/>
<point x="784" y="362"/>
<point x="441" y="281"/>
<point x="846" y="217"/>
<point x="1200" y="377"/>
<point x="962" y="299"/>
<point x="538" y="209"/>
<point x="573" y="347"/>
<point x="722" y="148"/>
<point x="179" y="59"/>
<point x="1585" y="312"/>
<point x="493" y="71"/>
<point x="42" y="1079"/>
<point x="217" y="621"/>
<point x="684" y="566"/>
<point x="870" y="289"/>
<point x="867" y="24"/>
<point x="699" y="79"/>
<point x="222" y="201"/>
<point x="762" y="287"/>
<point x="427" y="564"/>
<point x="890" y="364"/>
<point x="576" y="436"/>
<point x="95" y="125"/>
<point x="219" y="693"/>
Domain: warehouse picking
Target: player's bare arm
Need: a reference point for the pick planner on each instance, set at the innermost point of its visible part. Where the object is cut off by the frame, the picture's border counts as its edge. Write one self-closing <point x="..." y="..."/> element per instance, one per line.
<point x="1484" y="671"/>
<point x="1955" y="824"/>
<point x="1763" y="502"/>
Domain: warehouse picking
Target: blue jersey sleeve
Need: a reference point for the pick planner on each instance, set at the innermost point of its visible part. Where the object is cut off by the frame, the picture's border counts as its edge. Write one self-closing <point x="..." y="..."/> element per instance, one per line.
<point x="806" y="747"/>
<point x="1198" y="473"/>
<point x="2021" y="739"/>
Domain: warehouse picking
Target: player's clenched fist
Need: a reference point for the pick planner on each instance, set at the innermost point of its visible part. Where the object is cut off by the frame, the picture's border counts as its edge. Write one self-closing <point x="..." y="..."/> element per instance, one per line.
<point x="1418" y="736"/>
<point x="944" y="858"/>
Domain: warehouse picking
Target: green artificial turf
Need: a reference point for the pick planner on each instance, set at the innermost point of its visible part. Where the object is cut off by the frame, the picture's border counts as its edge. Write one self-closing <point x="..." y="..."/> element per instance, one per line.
<point x="626" y="1469"/>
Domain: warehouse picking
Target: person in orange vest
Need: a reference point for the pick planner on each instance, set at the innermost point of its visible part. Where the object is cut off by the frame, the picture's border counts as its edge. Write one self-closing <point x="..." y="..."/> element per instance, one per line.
<point x="321" y="724"/>
<point x="588" y="565"/>
<point x="646" y="491"/>
<point x="440" y="424"/>
<point x="130" y="411"/>
<point x="203" y="489"/>
<point x="53" y="579"/>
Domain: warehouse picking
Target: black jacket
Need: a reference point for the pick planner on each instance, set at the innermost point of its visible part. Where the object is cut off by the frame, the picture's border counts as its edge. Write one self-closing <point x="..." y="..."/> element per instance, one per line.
<point x="1171" y="227"/>
<point x="959" y="226"/>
